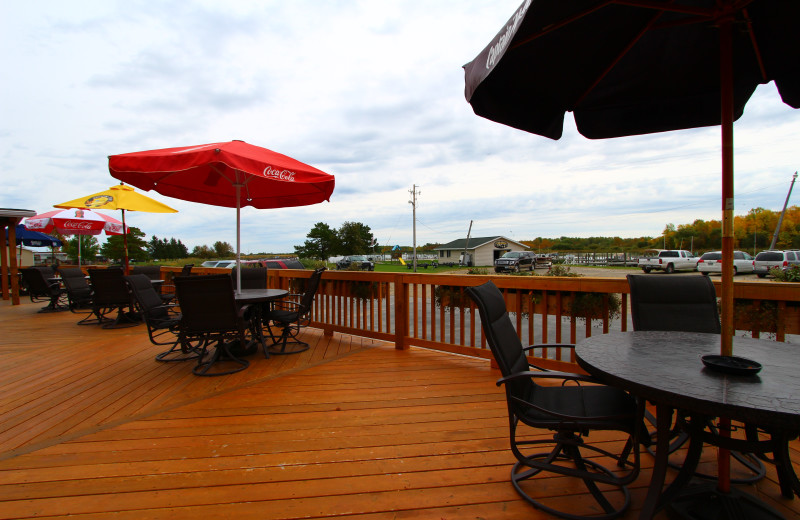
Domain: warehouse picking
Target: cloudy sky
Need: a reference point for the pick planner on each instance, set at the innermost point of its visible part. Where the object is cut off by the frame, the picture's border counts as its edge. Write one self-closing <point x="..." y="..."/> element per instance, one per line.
<point x="370" y="91"/>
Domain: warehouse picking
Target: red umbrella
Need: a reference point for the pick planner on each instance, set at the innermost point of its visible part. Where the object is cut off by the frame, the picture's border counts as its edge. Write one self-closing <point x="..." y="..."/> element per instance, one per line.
<point x="74" y="222"/>
<point x="230" y="174"/>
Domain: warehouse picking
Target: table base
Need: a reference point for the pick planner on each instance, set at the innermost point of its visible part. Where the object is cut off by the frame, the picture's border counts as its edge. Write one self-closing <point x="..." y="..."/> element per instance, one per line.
<point x="706" y="502"/>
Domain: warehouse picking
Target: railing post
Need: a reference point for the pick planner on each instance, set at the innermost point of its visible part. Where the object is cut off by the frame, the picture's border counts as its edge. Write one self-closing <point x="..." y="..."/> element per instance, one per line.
<point x="400" y="313"/>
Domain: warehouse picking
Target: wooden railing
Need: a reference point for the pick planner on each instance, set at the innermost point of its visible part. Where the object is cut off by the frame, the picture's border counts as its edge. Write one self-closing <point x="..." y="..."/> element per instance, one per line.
<point x="433" y="311"/>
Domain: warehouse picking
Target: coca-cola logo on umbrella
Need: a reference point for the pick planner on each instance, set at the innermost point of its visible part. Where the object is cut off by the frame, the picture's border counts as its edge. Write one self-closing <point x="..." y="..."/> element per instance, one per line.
<point x="71" y="224"/>
<point x="283" y="175"/>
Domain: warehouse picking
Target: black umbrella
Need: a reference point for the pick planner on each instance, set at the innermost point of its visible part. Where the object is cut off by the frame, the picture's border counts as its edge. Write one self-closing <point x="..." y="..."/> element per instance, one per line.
<point x="629" y="67"/>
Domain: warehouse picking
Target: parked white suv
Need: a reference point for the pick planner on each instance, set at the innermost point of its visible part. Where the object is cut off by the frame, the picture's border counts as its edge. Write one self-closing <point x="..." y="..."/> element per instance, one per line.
<point x="766" y="260"/>
<point x="711" y="262"/>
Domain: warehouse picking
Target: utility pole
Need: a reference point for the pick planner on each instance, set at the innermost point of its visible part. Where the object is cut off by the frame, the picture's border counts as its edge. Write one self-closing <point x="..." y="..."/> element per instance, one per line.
<point x="466" y="244"/>
<point x="413" y="191"/>
<point x="780" y="220"/>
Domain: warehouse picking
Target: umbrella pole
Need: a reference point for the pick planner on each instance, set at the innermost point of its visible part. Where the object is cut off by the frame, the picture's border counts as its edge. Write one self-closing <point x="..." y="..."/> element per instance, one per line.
<point x="125" y="240"/>
<point x="726" y="113"/>
<point x="238" y="239"/>
<point x="80" y="239"/>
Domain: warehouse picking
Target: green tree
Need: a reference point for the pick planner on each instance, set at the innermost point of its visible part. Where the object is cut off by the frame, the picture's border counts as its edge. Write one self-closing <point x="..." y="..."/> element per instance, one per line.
<point x="222" y="249"/>
<point x="114" y="248"/>
<point x="321" y="244"/>
<point x="89" y="247"/>
<point x="355" y="238"/>
<point x="202" y="252"/>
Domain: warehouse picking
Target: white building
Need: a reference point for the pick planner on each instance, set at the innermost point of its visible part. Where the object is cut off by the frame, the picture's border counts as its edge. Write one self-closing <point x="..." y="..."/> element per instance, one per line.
<point x="483" y="250"/>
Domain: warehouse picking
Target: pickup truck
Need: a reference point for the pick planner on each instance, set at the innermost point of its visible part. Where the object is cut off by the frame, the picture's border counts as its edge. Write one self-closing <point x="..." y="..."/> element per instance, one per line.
<point x="669" y="261"/>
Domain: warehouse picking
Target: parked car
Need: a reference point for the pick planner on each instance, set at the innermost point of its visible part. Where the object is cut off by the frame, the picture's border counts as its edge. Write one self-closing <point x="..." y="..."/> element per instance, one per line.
<point x="515" y="261"/>
<point x="229" y="264"/>
<point x="363" y="262"/>
<point x="766" y="260"/>
<point x="544" y="260"/>
<point x="282" y="263"/>
<point x="669" y="261"/>
<point x="711" y="262"/>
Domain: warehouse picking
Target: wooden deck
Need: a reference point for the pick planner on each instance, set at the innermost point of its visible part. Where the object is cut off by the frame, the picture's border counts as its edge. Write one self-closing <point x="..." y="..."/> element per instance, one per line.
<point x="92" y="426"/>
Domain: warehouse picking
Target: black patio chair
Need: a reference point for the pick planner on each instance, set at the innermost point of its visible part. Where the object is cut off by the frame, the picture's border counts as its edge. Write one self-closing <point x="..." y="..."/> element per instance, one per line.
<point x="291" y="314"/>
<point x="81" y="296"/>
<point x="186" y="270"/>
<point x="41" y="289"/>
<point x="111" y="293"/>
<point x="688" y="304"/>
<point x="677" y="303"/>
<point x="161" y="319"/>
<point x="252" y="277"/>
<point x="209" y="313"/>
<point x="574" y="408"/>
<point x="153" y="272"/>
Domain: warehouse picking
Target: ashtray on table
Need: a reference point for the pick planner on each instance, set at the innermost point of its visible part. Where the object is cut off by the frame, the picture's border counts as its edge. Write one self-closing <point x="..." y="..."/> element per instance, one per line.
<point x="731" y="364"/>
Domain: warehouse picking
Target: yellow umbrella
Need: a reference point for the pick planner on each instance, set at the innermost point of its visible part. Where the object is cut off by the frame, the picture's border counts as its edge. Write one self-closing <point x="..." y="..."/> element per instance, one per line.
<point x="123" y="198"/>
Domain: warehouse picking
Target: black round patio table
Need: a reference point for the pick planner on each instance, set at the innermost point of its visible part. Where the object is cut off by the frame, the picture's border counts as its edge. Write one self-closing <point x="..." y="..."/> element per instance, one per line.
<point x="666" y="369"/>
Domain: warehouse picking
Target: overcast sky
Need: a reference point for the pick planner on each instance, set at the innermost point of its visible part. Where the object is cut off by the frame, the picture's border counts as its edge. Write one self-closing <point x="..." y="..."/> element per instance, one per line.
<point x="371" y="92"/>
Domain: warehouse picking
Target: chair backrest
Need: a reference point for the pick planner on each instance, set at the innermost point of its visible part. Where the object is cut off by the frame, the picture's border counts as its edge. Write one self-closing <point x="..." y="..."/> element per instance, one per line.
<point x="672" y="302"/>
<point x="207" y="303"/>
<point x="252" y="277"/>
<point x="150" y="303"/>
<point x="75" y="283"/>
<point x="153" y="272"/>
<point x="35" y="280"/>
<point x="501" y="335"/>
<point x="47" y="270"/>
<point x="311" y="290"/>
<point x="187" y="270"/>
<point x="109" y="287"/>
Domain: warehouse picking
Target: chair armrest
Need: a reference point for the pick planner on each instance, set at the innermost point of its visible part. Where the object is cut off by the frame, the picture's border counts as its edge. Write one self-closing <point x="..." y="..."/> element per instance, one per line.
<point x="566" y="376"/>
<point x="242" y="310"/>
<point x="549" y="345"/>
<point x="286" y="304"/>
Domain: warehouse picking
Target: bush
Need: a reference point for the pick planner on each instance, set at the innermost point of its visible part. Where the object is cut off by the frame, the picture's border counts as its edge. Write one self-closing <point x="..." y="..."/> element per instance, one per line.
<point x="560" y="270"/>
<point x="477" y="270"/>
<point x="310" y="263"/>
<point x="790" y="275"/>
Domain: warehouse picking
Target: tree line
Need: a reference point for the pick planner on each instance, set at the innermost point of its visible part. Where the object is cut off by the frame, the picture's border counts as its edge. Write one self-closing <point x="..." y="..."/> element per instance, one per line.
<point x="139" y="249"/>
<point x="752" y="232"/>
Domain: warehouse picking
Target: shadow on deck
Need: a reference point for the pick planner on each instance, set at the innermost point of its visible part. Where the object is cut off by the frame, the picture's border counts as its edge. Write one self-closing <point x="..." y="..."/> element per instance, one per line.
<point x="91" y="425"/>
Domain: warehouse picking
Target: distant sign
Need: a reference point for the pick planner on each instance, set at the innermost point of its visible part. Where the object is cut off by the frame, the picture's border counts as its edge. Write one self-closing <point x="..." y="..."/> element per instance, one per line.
<point x="501" y="244"/>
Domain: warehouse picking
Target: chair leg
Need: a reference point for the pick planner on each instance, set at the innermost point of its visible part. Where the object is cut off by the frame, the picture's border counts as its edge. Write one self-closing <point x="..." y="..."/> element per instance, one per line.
<point x="95" y="316"/>
<point x="590" y="472"/>
<point x="221" y="354"/>
<point x="179" y="353"/>
<point x="123" y="319"/>
<point x="295" y="346"/>
<point x="565" y="458"/>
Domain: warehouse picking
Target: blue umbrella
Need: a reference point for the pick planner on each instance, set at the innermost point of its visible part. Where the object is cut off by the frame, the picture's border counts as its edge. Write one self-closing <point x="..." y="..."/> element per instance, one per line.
<point x="34" y="238"/>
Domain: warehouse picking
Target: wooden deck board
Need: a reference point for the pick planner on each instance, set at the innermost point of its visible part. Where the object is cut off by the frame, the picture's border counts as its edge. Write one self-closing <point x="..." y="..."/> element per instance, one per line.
<point x="91" y="425"/>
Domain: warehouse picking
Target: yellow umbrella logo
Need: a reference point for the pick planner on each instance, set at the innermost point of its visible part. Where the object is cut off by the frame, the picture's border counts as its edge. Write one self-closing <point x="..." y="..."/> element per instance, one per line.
<point x="98" y="201"/>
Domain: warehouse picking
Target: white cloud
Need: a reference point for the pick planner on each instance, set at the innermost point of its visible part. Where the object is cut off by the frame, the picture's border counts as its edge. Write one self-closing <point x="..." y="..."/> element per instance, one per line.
<point x="369" y="91"/>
